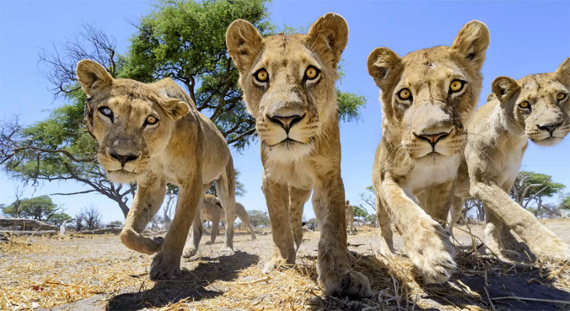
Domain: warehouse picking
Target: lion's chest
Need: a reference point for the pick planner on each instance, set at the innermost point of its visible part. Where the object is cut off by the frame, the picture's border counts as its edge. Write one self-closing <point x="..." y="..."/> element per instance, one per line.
<point x="424" y="175"/>
<point x="298" y="174"/>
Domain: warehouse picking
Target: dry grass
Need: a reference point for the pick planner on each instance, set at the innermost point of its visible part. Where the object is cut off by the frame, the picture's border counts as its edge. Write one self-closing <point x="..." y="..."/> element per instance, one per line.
<point x="31" y="277"/>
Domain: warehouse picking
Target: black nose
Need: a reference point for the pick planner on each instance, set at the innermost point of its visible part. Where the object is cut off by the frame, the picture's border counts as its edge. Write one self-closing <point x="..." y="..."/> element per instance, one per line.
<point x="550" y="128"/>
<point x="124" y="158"/>
<point x="286" y="122"/>
<point x="433" y="138"/>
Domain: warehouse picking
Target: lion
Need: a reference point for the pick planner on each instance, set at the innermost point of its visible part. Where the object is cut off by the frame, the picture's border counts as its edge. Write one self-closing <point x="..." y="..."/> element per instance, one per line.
<point x="427" y="98"/>
<point x="350" y="218"/>
<point x="289" y="87"/>
<point x="211" y="209"/>
<point x="152" y="134"/>
<point x="533" y="108"/>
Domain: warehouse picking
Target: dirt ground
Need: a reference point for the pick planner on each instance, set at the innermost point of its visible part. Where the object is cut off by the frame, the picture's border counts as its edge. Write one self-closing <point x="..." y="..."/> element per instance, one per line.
<point x="80" y="272"/>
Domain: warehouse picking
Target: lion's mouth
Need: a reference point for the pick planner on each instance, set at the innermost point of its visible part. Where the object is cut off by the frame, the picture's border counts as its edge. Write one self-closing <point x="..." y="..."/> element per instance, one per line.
<point x="287" y="142"/>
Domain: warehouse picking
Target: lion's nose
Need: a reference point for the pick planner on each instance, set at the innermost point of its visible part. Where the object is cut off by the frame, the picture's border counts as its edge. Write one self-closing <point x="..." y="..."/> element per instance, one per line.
<point x="550" y="128"/>
<point x="432" y="138"/>
<point x="124" y="158"/>
<point x="286" y="121"/>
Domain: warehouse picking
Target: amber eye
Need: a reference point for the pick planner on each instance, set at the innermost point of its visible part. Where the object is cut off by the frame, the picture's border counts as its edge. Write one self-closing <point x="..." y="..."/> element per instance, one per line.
<point x="456" y="86"/>
<point x="151" y="120"/>
<point x="261" y="75"/>
<point x="524" y="105"/>
<point x="311" y="73"/>
<point x="404" y="94"/>
<point x="561" y="96"/>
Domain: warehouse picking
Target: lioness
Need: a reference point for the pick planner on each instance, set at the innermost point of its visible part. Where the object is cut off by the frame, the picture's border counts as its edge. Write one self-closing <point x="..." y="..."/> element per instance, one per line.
<point x="152" y="134"/>
<point x="211" y="209"/>
<point x="535" y="107"/>
<point x="427" y="97"/>
<point x="289" y="87"/>
<point x="350" y="218"/>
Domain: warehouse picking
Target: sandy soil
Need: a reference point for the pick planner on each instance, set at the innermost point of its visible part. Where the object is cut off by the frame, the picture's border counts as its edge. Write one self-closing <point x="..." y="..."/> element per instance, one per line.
<point x="99" y="273"/>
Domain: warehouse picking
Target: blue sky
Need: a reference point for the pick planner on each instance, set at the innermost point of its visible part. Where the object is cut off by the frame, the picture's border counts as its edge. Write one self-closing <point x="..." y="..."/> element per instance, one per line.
<point x="526" y="37"/>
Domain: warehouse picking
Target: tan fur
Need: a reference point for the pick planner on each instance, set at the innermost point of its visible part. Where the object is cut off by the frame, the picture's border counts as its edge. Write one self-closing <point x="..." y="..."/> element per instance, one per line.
<point x="350" y="218"/>
<point x="497" y="140"/>
<point x="289" y="106"/>
<point x="413" y="177"/>
<point x="211" y="209"/>
<point x="183" y="148"/>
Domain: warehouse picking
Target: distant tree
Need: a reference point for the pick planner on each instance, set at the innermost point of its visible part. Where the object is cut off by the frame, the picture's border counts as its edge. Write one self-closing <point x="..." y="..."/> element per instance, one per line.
<point x="259" y="219"/>
<point x="39" y="208"/>
<point x="530" y="189"/>
<point x="58" y="219"/>
<point x="89" y="219"/>
<point x="473" y="209"/>
<point x="115" y="224"/>
<point x="359" y="211"/>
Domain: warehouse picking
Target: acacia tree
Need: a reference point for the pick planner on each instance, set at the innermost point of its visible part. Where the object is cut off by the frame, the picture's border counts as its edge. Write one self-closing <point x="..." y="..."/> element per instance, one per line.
<point x="530" y="189"/>
<point x="183" y="40"/>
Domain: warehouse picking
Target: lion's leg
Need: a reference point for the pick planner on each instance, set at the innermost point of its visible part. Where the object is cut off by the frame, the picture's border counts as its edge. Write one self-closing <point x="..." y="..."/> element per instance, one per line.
<point x="427" y="243"/>
<point x="166" y="264"/>
<point x="227" y="193"/>
<point x="277" y="198"/>
<point x="215" y="227"/>
<point x="386" y="241"/>
<point x="456" y="212"/>
<point x="336" y="275"/>
<point x="242" y="214"/>
<point x="195" y="235"/>
<point x="297" y="199"/>
<point x="540" y="240"/>
<point x="147" y="201"/>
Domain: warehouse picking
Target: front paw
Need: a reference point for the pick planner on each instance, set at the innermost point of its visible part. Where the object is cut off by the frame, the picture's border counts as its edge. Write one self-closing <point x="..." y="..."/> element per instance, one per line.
<point x="554" y="249"/>
<point x="350" y="284"/>
<point x="432" y="252"/>
<point x="274" y="263"/>
<point x="164" y="267"/>
<point x="189" y="252"/>
<point x="226" y="251"/>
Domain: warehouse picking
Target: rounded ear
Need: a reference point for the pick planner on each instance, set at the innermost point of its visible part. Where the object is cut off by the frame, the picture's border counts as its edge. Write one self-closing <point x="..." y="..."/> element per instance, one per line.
<point x="504" y="88"/>
<point x="385" y="67"/>
<point x="176" y="107"/>
<point x="471" y="43"/>
<point x="244" y="42"/>
<point x="92" y="76"/>
<point x="328" y="37"/>
<point x="563" y="72"/>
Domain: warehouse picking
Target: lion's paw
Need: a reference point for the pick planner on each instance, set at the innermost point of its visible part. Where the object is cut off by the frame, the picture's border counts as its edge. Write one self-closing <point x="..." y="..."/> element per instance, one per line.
<point x="432" y="252"/>
<point x="189" y="252"/>
<point x="350" y="284"/>
<point x="274" y="263"/>
<point x="164" y="268"/>
<point x="554" y="249"/>
<point x="226" y="251"/>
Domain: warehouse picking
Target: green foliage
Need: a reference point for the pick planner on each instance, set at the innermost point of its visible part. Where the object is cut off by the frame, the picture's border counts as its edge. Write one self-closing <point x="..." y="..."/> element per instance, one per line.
<point x="348" y="105"/>
<point x="359" y="211"/>
<point x="39" y="208"/>
<point x="115" y="224"/>
<point x="551" y="189"/>
<point x="259" y="219"/>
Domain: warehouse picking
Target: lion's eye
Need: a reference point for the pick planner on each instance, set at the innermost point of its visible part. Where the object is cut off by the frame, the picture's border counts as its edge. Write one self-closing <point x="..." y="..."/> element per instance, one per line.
<point x="404" y="94"/>
<point x="106" y="111"/>
<point x="524" y="105"/>
<point x="261" y="75"/>
<point x="561" y="96"/>
<point x="150" y="120"/>
<point x="311" y="73"/>
<point x="456" y="86"/>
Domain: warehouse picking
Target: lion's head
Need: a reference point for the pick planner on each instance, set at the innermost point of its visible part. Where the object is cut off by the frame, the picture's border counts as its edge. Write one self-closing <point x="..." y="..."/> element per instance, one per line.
<point x="428" y="95"/>
<point x="130" y="120"/>
<point x="289" y="82"/>
<point x="537" y="104"/>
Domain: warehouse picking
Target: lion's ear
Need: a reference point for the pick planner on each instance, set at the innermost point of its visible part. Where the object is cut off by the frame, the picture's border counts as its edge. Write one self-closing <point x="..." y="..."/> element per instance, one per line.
<point x="471" y="43"/>
<point x="176" y="107"/>
<point x="504" y="88"/>
<point x="244" y="42"/>
<point x="328" y="37"/>
<point x="563" y="73"/>
<point x="385" y="67"/>
<point x="92" y="76"/>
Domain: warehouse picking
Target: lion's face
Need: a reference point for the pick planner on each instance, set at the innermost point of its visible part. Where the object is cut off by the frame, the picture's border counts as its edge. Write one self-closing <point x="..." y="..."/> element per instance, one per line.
<point x="288" y="82"/>
<point x="429" y="95"/>
<point x="130" y="121"/>
<point x="537" y="104"/>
